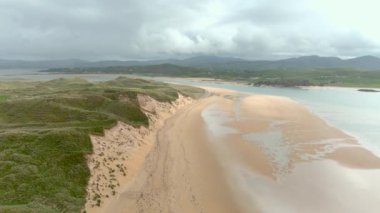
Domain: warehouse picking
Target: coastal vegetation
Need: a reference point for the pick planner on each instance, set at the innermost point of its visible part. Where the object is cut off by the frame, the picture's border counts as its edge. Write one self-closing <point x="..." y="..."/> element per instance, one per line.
<point x="270" y="77"/>
<point x="44" y="135"/>
<point x="3" y="98"/>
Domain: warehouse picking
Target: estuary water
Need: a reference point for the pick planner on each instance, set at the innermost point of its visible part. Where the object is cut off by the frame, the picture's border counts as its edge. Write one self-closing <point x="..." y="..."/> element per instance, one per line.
<point x="356" y="113"/>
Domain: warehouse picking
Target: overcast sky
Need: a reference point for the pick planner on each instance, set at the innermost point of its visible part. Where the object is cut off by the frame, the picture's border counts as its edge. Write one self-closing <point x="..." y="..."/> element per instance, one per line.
<point x="145" y="29"/>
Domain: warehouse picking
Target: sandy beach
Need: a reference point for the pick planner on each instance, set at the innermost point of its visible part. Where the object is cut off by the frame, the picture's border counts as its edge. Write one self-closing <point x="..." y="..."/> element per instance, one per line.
<point x="233" y="152"/>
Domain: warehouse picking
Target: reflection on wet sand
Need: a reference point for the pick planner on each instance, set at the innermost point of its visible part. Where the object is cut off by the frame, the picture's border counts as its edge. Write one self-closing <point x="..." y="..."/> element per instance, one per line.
<point x="283" y="158"/>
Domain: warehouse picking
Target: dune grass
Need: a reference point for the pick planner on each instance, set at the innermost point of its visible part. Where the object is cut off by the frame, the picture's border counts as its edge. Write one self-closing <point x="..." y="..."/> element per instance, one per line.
<point x="3" y="98"/>
<point x="44" y="128"/>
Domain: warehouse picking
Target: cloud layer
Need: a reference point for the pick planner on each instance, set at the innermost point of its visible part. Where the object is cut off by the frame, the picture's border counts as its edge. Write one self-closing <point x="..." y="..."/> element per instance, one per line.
<point x="142" y="29"/>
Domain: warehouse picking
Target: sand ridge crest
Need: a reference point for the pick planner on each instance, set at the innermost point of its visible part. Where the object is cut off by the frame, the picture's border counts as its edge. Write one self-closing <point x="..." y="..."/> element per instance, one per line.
<point x="118" y="155"/>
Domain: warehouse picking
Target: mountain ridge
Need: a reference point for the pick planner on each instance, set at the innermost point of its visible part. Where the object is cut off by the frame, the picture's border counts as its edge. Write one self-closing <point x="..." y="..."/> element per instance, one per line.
<point x="210" y="62"/>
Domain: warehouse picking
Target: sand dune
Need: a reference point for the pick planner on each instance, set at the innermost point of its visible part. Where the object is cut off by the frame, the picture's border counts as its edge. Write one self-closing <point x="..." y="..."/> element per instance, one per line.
<point x="232" y="152"/>
<point x="181" y="173"/>
<point x="118" y="156"/>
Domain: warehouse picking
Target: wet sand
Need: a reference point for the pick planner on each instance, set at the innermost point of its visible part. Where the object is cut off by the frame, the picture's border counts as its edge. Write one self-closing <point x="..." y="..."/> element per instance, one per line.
<point x="286" y="159"/>
<point x="233" y="152"/>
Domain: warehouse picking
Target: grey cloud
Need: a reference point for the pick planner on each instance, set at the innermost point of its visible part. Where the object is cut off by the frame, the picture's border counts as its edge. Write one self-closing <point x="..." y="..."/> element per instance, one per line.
<point x="99" y="29"/>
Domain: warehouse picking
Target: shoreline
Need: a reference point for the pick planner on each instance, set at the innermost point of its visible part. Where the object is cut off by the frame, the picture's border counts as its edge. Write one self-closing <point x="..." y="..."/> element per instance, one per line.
<point x="309" y="108"/>
<point x="235" y="152"/>
<point x="295" y="138"/>
<point x="313" y="110"/>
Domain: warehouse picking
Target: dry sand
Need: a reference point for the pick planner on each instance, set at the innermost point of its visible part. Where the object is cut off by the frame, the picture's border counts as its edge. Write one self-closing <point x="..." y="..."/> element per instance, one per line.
<point x="181" y="174"/>
<point x="232" y="152"/>
<point x="119" y="155"/>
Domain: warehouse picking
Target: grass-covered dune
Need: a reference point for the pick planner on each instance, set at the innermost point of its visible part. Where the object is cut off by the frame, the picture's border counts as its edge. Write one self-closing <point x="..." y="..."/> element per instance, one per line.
<point x="44" y="136"/>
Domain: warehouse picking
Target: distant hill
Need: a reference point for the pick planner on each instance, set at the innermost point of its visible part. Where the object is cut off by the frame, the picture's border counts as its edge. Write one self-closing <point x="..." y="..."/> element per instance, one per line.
<point x="199" y="61"/>
<point x="152" y="70"/>
<point x="305" y="62"/>
<point x="21" y="64"/>
<point x="211" y="63"/>
<point x="315" y="62"/>
<point x="364" y="62"/>
<point x="207" y="60"/>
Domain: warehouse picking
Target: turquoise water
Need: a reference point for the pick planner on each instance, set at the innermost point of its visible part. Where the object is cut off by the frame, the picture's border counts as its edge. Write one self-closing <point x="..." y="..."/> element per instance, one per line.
<point x="356" y="113"/>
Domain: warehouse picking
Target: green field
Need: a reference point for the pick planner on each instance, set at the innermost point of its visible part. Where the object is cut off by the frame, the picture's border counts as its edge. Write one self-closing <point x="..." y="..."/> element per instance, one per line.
<point x="44" y="128"/>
